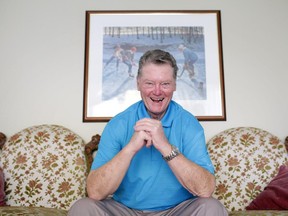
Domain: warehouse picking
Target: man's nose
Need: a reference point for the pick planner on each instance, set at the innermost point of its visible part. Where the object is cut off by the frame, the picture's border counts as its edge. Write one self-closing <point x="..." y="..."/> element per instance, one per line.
<point x="157" y="89"/>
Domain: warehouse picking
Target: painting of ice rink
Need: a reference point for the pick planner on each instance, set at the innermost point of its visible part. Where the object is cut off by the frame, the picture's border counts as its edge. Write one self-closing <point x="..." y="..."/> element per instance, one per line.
<point x="119" y="84"/>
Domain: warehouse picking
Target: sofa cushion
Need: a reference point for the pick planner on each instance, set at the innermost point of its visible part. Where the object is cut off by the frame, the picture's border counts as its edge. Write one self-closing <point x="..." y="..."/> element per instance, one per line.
<point x="246" y="159"/>
<point x="2" y="191"/>
<point x="275" y="194"/>
<point x="259" y="213"/>
<point x="44" y="166"/>
<point x="32" y="211"/>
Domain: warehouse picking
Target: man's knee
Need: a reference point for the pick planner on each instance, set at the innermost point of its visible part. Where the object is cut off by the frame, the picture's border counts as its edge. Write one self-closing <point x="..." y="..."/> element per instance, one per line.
<point x="81" y="206"/>
<point x="212" y="206"/>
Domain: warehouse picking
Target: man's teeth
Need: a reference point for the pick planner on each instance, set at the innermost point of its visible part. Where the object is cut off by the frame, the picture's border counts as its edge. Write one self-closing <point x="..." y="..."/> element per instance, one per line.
<point x="157" y="100"/>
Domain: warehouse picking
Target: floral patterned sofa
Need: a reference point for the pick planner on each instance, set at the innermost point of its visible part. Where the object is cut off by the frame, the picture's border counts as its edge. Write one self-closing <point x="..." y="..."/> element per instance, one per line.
<point x="44" y="169"/>
<point x="249" y="162"/>
<point x="251" y="171"/>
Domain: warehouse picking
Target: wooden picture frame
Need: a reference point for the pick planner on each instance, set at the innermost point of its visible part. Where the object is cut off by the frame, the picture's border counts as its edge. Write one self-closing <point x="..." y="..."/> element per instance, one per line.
<point x="109" y="87"/>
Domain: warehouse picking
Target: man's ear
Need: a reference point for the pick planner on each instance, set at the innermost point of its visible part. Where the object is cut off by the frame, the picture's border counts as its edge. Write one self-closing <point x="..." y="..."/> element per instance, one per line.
<point x="137" y="85"/>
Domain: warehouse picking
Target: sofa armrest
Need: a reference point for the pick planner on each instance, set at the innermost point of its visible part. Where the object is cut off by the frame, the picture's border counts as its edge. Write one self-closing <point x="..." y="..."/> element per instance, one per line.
<point x="90" y="148"/>
<point x="2" y="140"/>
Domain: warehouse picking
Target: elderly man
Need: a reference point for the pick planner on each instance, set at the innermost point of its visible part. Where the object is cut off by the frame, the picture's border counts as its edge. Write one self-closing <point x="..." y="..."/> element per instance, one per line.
<point x="152" y="157"/>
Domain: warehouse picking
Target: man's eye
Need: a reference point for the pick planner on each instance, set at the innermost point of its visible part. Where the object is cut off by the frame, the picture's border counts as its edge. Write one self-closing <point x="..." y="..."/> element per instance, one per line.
<point x="149" y="83"/>
<point x="165" y="85"/>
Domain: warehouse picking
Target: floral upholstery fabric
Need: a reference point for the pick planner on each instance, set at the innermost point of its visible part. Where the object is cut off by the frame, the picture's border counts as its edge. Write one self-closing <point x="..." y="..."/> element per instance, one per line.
<point x="44" y="166"/>
<point x="258" y="213"/>
<point x="31" y="211"/>
<point x="246" y="159"/>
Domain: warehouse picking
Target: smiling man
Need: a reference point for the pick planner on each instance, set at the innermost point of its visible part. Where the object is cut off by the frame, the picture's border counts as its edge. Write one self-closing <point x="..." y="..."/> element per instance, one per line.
<point x="156" y="83"/>
<point x="152" y="157"/>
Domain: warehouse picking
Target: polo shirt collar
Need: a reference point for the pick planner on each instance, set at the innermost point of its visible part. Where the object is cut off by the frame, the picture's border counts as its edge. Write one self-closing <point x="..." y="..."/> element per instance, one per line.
<point x="167" y="118"/>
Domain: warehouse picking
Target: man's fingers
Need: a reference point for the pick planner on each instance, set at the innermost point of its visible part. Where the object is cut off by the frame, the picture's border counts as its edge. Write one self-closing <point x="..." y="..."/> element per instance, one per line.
<point x="148" y="143"/>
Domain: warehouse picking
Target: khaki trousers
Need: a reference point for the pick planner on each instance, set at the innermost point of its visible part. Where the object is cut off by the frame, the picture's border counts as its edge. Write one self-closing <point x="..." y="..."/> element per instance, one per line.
<point x="109" y="207"/>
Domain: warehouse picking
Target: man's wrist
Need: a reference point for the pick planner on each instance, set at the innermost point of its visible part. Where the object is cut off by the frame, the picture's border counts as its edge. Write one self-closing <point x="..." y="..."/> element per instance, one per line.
<point x="174" y="153"/>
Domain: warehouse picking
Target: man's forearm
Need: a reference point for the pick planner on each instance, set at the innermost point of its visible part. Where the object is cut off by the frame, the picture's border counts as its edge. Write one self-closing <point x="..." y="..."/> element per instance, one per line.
<point x="194" y="178"/>
<point x="106" y="179"/>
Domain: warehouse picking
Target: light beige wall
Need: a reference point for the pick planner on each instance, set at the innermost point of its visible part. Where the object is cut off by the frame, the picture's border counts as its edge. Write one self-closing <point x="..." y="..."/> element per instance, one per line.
<point x="42" y="61"/>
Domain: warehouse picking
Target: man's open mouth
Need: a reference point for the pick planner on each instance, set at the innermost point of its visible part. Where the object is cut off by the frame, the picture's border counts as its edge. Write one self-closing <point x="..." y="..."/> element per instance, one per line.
<point x="157" y="100"/>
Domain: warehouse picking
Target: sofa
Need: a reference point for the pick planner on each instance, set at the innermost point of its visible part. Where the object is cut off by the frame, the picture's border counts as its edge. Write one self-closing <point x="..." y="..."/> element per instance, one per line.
<point x="43" y="171"/>
<point x="250" y="165"/>
<point x="251" y="171"/>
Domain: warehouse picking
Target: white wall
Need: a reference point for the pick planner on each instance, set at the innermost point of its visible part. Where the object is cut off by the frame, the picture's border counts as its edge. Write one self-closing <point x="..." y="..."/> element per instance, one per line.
<point x="42" y="61"/>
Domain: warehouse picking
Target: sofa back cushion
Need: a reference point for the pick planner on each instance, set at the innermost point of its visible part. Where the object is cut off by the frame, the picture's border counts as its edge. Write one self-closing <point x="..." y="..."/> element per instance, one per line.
<point x="44" y="166"/>
<point x="246" y="159"/>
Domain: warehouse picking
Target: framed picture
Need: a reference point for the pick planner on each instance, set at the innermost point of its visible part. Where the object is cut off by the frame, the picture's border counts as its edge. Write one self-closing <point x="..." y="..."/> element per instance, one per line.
<point x="115" y="41"/>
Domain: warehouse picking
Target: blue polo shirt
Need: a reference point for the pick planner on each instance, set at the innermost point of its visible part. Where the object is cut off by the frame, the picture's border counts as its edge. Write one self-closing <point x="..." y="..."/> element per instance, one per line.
<point x="149" y="183"/>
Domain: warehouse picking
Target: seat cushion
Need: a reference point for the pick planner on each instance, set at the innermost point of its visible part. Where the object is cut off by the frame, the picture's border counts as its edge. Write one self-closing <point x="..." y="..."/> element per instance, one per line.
<point x="44" y="166"/>
<point x="246" y="159"/>
<point x="31" y="211"/>
<point x="259" y="213"/>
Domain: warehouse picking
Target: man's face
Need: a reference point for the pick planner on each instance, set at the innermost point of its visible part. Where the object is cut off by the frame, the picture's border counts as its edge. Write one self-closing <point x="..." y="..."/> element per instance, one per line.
<point x="156" y="85"/>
